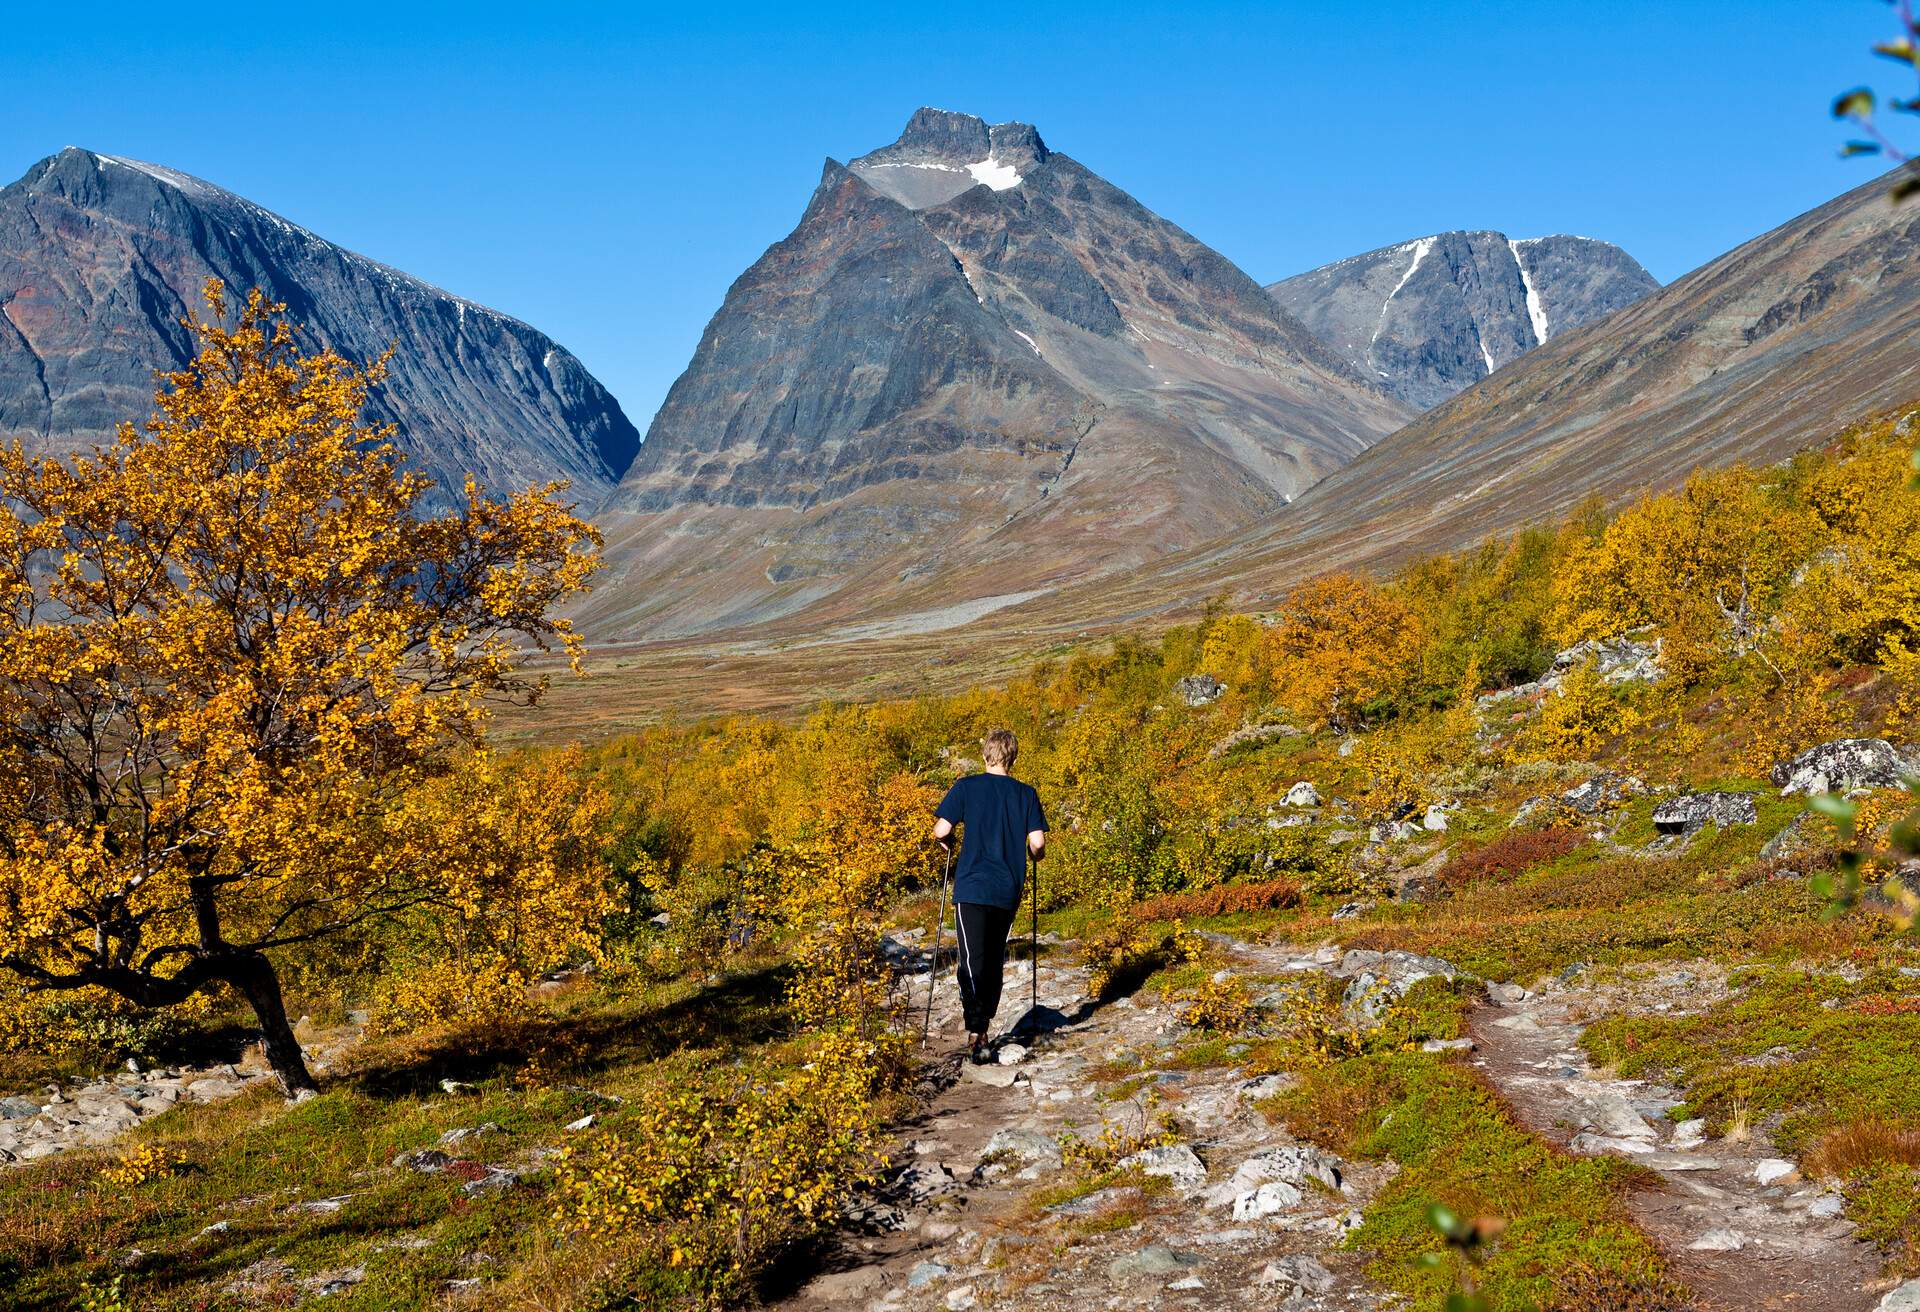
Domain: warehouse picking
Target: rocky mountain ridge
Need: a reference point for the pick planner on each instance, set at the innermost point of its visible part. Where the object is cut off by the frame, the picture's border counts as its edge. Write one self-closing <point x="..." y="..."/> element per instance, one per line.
<point x="101" y="256"/>
<point x="1431" y="317"/>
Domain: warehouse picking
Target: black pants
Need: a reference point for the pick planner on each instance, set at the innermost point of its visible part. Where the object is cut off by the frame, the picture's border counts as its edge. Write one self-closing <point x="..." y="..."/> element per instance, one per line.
<point x="983" y="961"/>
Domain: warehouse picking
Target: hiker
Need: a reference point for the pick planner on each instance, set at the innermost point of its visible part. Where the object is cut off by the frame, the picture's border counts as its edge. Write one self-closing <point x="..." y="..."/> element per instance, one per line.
<point x="1002" y="823"/>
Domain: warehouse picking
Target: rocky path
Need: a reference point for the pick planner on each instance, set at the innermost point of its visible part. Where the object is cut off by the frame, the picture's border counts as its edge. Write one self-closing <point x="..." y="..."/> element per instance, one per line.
<point x="1740" y="1226"/>
<point x="975" y="1210"/>
<point x="83" y="1113"/>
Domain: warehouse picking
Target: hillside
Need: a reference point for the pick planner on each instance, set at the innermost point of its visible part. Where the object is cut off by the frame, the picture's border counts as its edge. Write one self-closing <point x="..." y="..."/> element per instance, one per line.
<point x="1431" y="317"/>
<point x="100" y="258"/>
<point x="1388" y="951"/>
<point x="974" y="370"/>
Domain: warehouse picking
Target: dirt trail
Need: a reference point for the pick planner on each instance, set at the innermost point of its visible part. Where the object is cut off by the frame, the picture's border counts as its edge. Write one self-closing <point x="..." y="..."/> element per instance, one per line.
<point x="1740" y="1226"/>
<point x="961" y="1219"/>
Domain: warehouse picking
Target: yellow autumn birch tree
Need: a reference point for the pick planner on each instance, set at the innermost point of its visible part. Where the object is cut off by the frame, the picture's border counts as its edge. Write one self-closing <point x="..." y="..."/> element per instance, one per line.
<point x="232" y="644"/>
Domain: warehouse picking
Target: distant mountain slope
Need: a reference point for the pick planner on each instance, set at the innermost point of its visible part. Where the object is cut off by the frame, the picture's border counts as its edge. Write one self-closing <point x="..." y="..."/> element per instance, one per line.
<point x="974" y="369"/>
<point x="100" y="257"/>
<point x="1431" y="317"/>
<point x="1772" y="347"/>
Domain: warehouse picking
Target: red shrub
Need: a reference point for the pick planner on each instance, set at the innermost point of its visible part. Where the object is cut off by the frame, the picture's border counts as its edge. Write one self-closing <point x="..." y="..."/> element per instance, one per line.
<point x="1505" y="857"/>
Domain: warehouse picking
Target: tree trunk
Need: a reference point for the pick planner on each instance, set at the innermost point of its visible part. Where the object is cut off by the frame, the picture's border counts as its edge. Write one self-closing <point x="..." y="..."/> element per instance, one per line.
<point x="254" y="976"/>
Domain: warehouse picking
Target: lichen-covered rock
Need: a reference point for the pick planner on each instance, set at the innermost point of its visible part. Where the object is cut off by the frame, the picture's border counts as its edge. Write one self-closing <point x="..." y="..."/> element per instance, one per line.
<point x="1177" y="1162"/>
<point x="1199" y="689"/>
<point x="1031" y="1147"/>
<point x="1688" y="814"/>
<point x="1292" y="1165"/>
<point x="1840" y="766"/>
<point x="1618" y="660"/>
<point x="1603" y="792"/>
<point x="1303" y="794"/>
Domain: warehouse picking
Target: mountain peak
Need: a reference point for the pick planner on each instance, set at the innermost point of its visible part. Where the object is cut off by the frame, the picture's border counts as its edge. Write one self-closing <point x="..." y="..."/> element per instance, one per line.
<point x="942" y="153"/>
<point x="472" y="391"/>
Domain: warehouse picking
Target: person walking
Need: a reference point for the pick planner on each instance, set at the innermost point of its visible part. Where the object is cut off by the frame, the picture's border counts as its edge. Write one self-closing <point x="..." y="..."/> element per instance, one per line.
<point x="1001" y="824"/>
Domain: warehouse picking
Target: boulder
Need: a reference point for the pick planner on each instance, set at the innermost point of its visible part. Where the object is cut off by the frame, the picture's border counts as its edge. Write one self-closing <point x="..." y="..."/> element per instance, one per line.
<point x="1304" y="1273"/>
<point x="427" y="1161"/>
<point x="1841" y="766"/>
<point x="1904" y="1299"/>
<point x="1691" y="812"/>
<point x="926" y="1273"/>
<point x="1265" y="1200"/>
<point x="17" y="1109"/>
<point x="1603" y="792"/>
<point x="1199" y="689"/>
<point x="1435" y="819"/>
<point x="1030" y="1147"/>
<point x="1303" y="794"/>
<point x="1618" y="660"/>
<point x="1177" y="1162"/>
<point x="1290" y="1164"/>
<point x="1153" y="1260"/>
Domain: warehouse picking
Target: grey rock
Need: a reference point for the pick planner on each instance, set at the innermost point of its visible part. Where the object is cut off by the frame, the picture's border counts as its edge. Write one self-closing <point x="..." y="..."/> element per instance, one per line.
<point x="455" y="1087"/>
<point x="1447" y="1045"/>
<point x="1603" y="792"/>
<point x="1720" y="1241"/>
<point x="1090" y="1203"/>
<point x="1293" y="1165"/>
<point x="1904" y="1299"/>
<point x="1176" y="1162"/>
<point x="1266" y="1086"/>
<point x="1199" y="689"/>
<point x="497" y="1179"/>
<point x="1431" y="317"/>
<point x="1265" y="1200"/>
<point x="471" y="390"/>
<point x="1011" y="1054"/>
<point x="1349" y="911"/>
<point x="1303" y="794"/>
<point x="1827" y="1207"/>
<point x="1303" y="1272"/>
<point x="1617" y="660"/>
<point x="1770" y="1169"/>
<point x="1841" y="766"/>
<point x="1435" y="819"/>
<point x="1032" y="1147"/>
<point x="464" y="1133"/>
<point x="918" y="1183"/>
<point x="926" y="1273"/>
<point x="13" y="1109"/>
<point x="1689" y="813"/>
<point x="1153" y="1260"/>
<point x="1000" y="1077"/>
<point x="425" y="1160"/>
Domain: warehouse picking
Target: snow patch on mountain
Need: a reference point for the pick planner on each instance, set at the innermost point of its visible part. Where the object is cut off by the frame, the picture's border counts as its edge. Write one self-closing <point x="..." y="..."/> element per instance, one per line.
<point x="1535" y="313"/>
<point x="1001" y="177"/>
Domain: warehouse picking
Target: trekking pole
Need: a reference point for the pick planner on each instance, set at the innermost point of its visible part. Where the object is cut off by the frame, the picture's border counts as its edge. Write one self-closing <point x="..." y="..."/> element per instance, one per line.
<point x="1033" y="944"/>
<point x="933" y="968"/>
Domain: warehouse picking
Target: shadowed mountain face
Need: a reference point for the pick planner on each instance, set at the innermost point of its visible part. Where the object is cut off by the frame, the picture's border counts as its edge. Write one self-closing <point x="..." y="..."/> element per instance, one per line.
<point x="1432" y="317"/>
<point x="101" y="257"/>
<point x="973" y="371"/>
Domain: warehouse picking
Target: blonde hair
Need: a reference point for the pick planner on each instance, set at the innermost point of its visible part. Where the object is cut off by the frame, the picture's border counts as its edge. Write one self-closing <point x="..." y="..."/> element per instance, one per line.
<point x="1000" y="748"/>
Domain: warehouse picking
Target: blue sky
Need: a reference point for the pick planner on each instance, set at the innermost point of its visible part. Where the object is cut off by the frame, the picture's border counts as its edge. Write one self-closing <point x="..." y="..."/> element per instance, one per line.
<point x="605" y="172"/>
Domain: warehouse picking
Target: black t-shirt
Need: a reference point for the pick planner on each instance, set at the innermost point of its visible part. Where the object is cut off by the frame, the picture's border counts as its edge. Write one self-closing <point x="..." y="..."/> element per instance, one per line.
<point x="996" y="814"/>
